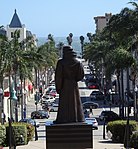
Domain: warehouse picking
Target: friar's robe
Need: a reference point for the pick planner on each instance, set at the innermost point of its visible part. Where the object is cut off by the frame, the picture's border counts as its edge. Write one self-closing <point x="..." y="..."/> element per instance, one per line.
<point x="68" y="72"/>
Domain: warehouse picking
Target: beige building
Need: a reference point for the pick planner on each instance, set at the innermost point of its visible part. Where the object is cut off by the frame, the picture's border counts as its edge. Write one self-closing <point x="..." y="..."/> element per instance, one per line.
<point x="101" y="21"/>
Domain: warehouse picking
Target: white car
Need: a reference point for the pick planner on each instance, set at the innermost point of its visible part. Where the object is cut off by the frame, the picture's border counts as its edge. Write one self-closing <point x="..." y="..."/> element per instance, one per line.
<point x="93" y="121"/>
<point x="47" y="99"/>
<point x="54" y="107"/>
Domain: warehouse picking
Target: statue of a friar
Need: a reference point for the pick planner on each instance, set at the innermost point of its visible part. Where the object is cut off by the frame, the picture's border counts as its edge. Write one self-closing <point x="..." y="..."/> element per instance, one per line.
<point x="68" y="72"/>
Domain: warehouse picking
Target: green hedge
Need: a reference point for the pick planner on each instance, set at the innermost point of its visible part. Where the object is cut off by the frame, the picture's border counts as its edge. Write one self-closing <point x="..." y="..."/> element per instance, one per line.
<point x="20" y="134"/>
<point x="2" y="135"/>
<point x="23" y="133"/>
<point x="117" y="128"/>
<point x="134" y="140"/>
<point x="30" y="131"/>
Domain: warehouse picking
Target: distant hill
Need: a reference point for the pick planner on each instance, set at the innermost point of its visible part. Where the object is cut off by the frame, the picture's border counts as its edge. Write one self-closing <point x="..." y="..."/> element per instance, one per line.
<point x="75" y="44"/>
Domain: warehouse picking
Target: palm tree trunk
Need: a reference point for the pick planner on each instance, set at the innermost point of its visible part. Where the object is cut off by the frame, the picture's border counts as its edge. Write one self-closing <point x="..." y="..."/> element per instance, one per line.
<point x="11" y="116"/>
<point x="16" y="102"/>
<point x="122" y="94"/>
<point x="1" y="98"/>
<point x="36" y="81"/>
<point x="21" y="98"/>
<point x="119" y="92"/>
<point x="24" y="99"/>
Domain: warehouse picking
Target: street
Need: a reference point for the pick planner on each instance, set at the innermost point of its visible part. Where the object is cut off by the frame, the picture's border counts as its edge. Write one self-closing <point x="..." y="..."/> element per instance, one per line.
<point x="97" y="134"/>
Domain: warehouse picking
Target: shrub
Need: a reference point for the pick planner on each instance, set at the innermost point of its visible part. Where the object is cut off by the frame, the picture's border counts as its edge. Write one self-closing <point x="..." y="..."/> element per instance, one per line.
<point x="134" y="140"/>
<point x="117" y="128"/>
<point x="30" y="131"/>
<point x="23" y="133"/>
<point x="19" y="133"/>
<point x="2" y="135"/>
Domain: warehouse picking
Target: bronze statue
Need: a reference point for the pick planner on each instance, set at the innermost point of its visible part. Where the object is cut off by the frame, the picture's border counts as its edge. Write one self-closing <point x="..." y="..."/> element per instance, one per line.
<point x="68" y="72"/>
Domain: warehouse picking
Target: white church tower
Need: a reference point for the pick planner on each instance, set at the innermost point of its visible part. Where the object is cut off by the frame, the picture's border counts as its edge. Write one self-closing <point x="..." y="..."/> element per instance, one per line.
<point x="14" y="25"/>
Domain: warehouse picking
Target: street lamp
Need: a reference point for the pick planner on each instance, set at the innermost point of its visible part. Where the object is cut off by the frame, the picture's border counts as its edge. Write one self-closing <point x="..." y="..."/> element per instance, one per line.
<point x="110" y="93"/>
<point x="135" y="103"/>
<point x="13" y="97"/>
<point x="2" y="110"/>
<point x="24" y="103"/>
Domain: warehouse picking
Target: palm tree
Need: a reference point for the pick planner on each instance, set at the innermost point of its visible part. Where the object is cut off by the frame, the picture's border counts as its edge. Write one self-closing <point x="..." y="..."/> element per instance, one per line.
<point x="69" y="39"/>
<point x="50" y="55"/>
<point x="89" y="35"/>
<point x="59" y="47"/>
<point x="82" y="43"/>
<point x="20" y="60"/>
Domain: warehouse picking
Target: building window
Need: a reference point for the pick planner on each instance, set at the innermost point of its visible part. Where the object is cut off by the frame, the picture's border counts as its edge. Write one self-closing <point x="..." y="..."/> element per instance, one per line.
<point x="12" y="34"/>
<point x="18" y="34"/>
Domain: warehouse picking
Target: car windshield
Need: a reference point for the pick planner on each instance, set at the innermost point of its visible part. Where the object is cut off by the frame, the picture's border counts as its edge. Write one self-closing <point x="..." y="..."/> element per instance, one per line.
<point x="90" y="119"/>
<point x="88" y="103"/>
<point x="108" y="113"/>
<point x="84" y="99"/>
<point x="96" y="92"/>
<point x="23" y="120"/>
<point x="41" y="111"/>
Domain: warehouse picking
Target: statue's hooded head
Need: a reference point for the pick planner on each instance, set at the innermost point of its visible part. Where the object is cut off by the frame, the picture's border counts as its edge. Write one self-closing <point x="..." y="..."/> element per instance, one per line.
<point x="68" y="52"/>
<point x="67" y="49"/>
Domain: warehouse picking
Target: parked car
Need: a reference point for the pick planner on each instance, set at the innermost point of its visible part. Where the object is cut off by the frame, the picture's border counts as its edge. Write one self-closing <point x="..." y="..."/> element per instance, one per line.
<point x="47" y="99"/>
<point x="109" y="116"/>
<point x="40" y="114"/>
<point x="97" y="95"/>
<point x="49" y="89"/>
<point x="53" y="93"/>
<point x="92" y="85"/>
<point x="30" y="121"/>
<point x="90" y="104"/>
<point x="54" y="107"/>
<point x="92" y="121"/>
<point x="45" y="106"/>
<point x="85" y="98"/>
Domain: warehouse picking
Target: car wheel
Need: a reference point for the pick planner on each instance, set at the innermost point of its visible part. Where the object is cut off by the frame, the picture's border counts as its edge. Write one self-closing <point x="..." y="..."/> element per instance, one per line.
<point x="96" y="107"/>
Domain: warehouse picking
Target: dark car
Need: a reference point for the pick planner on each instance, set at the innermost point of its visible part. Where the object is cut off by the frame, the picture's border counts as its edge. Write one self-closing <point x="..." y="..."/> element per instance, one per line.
<point x="85" y="98"/>
<point x="109" y="116"/>
<point x="90" y="104"/>
<point x="97" y="95"/>
<point x="92" y="85"/>
<point x="30" y="121"/>
<point x="40" y="114"/>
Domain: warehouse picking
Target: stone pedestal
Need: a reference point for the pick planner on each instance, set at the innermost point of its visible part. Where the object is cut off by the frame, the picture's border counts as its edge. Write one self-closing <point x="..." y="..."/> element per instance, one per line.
<point x="69" y="136"/>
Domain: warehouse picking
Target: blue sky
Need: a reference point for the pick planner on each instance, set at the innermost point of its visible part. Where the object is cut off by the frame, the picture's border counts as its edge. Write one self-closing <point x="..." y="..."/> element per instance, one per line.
<point x="59" y="17"/>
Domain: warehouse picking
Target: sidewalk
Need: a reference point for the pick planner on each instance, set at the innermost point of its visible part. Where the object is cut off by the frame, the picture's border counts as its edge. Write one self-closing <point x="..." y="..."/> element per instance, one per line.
<point x="98" y="144"/>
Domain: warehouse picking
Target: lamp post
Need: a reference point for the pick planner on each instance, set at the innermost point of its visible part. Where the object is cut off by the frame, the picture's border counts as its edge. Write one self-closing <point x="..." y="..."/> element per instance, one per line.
<point x="104" y="121"/>
<point x="13" y="96"/>
<point x="2" y="109"/>
<point x="24" y="109"/>
<point x="110" y="93"/>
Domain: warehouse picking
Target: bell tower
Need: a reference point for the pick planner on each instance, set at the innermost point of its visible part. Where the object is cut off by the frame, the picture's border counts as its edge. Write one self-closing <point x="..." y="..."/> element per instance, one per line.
<point x="14" y="25"/>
